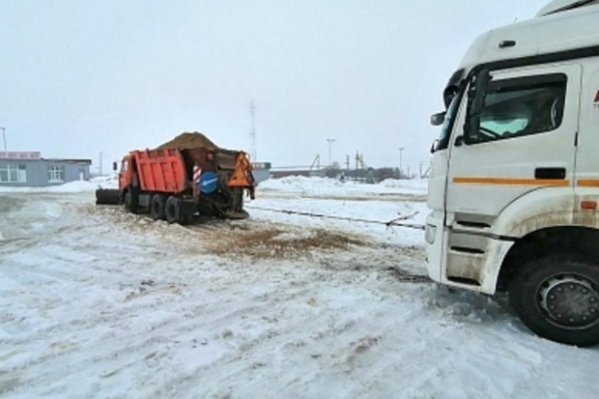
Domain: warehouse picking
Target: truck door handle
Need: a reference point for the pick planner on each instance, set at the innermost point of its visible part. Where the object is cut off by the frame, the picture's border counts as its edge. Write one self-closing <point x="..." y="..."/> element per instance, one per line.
<point x="550" y="173"/>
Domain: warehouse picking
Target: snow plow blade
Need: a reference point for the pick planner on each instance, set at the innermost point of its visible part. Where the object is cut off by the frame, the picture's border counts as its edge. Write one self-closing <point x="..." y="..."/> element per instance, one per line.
<point x="107" y="197"/>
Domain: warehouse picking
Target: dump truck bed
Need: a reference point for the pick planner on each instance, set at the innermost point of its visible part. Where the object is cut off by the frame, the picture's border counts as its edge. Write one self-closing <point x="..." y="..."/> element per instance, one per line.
<point x="169" y="170"/>
<point x="161" y="170"/>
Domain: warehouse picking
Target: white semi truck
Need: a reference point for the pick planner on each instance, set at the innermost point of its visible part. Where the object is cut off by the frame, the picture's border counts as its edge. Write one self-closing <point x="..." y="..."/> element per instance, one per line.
<point x="514" y="190"/>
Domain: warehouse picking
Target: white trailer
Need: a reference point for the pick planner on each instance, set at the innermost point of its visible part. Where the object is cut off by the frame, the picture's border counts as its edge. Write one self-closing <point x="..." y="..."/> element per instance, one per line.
<point x="514" y="188"/>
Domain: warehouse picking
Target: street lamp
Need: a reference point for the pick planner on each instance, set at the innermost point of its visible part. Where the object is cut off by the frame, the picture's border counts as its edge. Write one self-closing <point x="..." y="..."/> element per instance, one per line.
<point x="4" y="137"/>
<point x="400" y="162"/>
<point x="330" y="141"/>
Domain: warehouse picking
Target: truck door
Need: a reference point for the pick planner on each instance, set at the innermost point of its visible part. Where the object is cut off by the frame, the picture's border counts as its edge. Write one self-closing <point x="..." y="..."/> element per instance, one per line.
<point x="587" y="172"/>
<point x="124" y="175"/>
<point x="525" y="141"/>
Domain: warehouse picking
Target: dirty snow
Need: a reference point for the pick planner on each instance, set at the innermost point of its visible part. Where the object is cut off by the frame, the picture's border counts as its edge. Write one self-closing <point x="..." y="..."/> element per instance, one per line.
<point x="96" y="303"/>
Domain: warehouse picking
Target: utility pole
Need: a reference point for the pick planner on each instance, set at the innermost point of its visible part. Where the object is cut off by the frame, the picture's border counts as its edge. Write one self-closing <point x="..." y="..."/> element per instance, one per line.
<point x="4" y="137"/>
<point x="100" y="166"/>
<point x="253" y="130"/>
<point x="347" y="163"/>
<point x="330" y="141"/>
<point x="400" y="162"/>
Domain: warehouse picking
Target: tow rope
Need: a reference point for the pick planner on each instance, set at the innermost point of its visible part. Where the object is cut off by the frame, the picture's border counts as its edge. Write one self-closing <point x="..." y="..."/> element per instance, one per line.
<point x="392" y="223"/>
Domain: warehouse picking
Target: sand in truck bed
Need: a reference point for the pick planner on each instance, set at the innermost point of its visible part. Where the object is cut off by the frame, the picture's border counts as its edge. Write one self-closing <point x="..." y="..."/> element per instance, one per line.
<point x="188" y="141"/>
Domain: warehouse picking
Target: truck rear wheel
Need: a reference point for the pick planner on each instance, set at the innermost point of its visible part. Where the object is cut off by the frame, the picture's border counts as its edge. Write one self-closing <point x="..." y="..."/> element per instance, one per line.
<point x="173" y="211"/>
<point x="131" y="201"/>
<point x="157" y="207"/>
<point x="557" y="297"/>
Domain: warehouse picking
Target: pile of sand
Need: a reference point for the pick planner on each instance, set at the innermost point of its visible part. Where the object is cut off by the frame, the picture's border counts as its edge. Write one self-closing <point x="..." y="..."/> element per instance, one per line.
<point x="189" y="140"/>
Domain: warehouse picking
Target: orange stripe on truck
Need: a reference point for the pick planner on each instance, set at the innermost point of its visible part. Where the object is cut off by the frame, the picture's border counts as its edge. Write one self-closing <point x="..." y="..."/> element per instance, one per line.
<point x="588" y="183"/>
<point x="511" y="181"/>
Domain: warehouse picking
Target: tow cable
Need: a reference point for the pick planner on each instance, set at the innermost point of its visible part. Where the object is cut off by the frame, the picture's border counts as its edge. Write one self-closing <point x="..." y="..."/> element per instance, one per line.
<point x="392" y="223"/>
<point x="397" y="273"/>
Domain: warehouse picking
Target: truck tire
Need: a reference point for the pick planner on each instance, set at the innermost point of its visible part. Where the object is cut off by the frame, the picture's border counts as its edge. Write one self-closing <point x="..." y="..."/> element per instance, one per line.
<point x="173" y="211"/>
<point x="157" y="207"/>
<point x="131" y="201"/>
<point x="557" y="297"/>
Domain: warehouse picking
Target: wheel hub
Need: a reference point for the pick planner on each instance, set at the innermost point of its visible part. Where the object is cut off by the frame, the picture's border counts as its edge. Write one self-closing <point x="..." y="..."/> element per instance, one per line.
<point x="570" y="301"/>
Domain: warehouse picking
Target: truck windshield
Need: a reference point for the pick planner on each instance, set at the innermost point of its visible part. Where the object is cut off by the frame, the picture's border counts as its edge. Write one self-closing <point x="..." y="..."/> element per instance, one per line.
<point x="450" y="117"/>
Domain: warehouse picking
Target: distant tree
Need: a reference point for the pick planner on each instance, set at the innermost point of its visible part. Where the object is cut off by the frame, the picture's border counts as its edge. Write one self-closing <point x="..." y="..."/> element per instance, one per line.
<point x="333" y="170"/>
<point x="384" y="174"/>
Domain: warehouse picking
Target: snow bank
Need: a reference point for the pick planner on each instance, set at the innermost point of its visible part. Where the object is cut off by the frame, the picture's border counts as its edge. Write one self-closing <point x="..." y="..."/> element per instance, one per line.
<point x="72" y="187"/>
<point x="106" y="181"/>
<point x="301" y="184"/>
<point x="420" y="185"/>
<point x="325" y="186"/>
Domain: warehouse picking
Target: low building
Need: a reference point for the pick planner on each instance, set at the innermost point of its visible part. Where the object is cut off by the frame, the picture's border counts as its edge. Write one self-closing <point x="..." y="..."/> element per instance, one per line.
<point x="261" y="171"/>
<point x="289" y="172"/>
<point x="29" y="169"/>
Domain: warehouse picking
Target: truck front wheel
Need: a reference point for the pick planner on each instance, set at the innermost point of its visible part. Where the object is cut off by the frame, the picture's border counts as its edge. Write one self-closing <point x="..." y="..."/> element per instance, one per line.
<point x="157" y="207"/>
<point x="557" y="297"/>
<point x="131" y="201"/>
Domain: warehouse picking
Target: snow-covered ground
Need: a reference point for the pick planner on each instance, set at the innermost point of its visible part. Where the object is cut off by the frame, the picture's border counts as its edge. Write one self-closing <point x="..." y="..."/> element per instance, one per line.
<point x="96" y="303"/>
<point x="335" y="189"/>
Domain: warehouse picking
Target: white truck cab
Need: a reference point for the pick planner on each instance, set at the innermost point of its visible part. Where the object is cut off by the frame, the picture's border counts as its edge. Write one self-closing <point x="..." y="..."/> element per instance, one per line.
<point x="514" y="188"/>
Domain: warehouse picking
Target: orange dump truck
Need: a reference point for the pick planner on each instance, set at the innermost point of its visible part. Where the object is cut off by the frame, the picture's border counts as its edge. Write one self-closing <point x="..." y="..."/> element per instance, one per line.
<point x="175" y="184"/>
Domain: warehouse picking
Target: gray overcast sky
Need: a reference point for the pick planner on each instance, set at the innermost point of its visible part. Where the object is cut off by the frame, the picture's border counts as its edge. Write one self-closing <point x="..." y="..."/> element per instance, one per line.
<point x="80" y="77"/>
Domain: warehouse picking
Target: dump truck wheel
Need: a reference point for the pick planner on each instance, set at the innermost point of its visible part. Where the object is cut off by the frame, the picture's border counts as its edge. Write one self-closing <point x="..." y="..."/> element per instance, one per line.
<point x="131" y="201"/>
<point x="173" y="211"/>
<point x="157" y="207"/>
<point x="557" y="297"/>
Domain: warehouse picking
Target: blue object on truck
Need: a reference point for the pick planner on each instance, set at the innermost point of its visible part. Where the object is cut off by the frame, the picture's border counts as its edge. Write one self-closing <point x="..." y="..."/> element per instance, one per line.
<point x="208" y="182"/>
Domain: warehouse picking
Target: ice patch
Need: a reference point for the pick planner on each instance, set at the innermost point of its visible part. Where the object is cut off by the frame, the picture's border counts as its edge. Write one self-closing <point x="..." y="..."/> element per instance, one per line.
<point x="36" y="226"/>
<point x="52" y="210"/>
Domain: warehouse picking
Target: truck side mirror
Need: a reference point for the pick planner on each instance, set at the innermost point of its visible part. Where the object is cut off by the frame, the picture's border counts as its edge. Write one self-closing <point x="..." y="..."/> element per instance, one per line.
<point x="114" y="166"/>
<point x="434" y="146"/>
<point x="438" y="119"/>
<point x="476" y="103"/>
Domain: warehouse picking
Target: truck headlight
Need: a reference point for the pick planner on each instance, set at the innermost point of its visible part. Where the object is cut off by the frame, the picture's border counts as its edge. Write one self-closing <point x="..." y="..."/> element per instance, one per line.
<point x="430" y="233"/>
